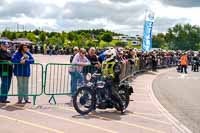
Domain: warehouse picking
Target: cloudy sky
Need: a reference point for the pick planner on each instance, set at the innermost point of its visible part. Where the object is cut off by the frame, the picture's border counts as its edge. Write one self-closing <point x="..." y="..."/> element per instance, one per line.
<point x="124" y="16"/>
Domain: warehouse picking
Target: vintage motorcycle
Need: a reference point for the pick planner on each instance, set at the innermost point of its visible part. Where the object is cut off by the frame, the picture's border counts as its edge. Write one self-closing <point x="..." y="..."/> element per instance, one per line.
<point x="94" y="93"/>
<point x="195" y="65"/>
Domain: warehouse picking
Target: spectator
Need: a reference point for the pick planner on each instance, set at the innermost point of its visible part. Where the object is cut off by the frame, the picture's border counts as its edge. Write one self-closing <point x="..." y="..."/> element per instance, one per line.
<point x="120" y="57"/>
<point x="184" y="62"/>
<point x="22" y="71"/>
<point x="5" y="71"/>
<point x="131" y="56"/>
<point x="50" y="50"/>
<point x="81" y="60"/>
<point x="92" y="57"/>
<point x="154" y="61"/>
<point x="95" y="64"/>
<point x="36" y="49"/>
<point x="102" y="56"/>
<point x="75" y="50"/>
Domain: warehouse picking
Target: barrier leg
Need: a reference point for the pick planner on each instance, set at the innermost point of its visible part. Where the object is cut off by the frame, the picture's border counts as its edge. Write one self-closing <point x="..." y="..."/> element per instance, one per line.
<point x="52" y="98"/>
<point x="34" y="100"/>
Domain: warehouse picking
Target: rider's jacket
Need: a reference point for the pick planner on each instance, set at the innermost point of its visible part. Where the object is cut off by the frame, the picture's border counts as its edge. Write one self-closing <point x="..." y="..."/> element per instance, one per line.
<point x="111" y="68"/>
<point x="195" y="60"/>
<point x="108" y="68"/>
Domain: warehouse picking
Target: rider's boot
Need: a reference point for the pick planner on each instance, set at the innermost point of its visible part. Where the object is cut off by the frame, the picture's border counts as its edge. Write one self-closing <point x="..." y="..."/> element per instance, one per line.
<point x="122" y="106"/>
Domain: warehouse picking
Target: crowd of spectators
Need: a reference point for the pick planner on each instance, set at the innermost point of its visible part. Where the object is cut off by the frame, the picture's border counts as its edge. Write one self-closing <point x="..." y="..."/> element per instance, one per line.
<point x="138" y="60"/>
<point x="21" y="58"/>
<point x="141" y="59"/>
<point x="152" y="59"/>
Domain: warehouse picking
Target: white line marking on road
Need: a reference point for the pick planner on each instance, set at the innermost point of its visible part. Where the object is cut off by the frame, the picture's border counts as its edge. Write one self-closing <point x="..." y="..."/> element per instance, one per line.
<point x="121" y="122"/>
<point x="65" y="119"/>
<point x="31" y="124"/>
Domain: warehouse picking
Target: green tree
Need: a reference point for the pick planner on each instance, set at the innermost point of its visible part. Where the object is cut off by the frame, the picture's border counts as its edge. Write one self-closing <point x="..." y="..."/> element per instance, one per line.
<point x="36" y="32"/>
<point x="31" y="36"/>
<point x="91" y="43"/>
<point x="14" y="36"/>
<point x="63" y="36"/>
<point x="20" y="35"/>
<point x="42" y="37"/>
<point x="107" y="37"/>
<point x="10" y="35"/>
<point x="71" y="36"/>
<point x="159" y="41"/>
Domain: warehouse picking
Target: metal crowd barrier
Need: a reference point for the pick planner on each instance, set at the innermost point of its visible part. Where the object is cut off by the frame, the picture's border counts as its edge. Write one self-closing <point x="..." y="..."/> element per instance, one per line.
<point x="11" y="83"/>
<point x="142" y="65"/>
<point x="57" y="78"/>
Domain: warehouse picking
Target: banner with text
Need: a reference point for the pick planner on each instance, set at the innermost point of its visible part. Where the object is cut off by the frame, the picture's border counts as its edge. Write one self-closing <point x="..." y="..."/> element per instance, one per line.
<point x="147" y="35"/>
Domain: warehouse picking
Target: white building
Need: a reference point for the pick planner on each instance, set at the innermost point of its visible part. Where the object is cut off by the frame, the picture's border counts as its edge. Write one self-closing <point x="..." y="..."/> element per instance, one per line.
<point x="133" y="39"/>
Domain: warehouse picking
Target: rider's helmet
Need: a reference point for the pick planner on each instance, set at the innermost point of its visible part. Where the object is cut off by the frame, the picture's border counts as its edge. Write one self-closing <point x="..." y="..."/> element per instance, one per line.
<point x="110" y="55"/>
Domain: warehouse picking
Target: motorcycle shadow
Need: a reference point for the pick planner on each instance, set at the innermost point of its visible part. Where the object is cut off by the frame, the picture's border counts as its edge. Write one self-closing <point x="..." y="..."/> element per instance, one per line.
<point x="101" y="115"/>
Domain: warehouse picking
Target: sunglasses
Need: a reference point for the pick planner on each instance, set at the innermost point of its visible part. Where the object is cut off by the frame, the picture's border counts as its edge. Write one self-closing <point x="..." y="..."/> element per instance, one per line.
<point x="25" y="47"/>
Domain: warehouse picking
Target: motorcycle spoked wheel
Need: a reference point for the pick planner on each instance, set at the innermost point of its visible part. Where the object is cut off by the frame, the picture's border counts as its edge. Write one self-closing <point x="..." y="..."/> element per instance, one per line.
<point x="125" y="99"/>
<point x="84" y="101"/>
<point x="195" y="68"/>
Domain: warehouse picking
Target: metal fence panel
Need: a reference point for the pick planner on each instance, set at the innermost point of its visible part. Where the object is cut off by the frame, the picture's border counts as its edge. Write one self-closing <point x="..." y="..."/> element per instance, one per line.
<point x="10" y="82"/>
<point x="59" y="77"/>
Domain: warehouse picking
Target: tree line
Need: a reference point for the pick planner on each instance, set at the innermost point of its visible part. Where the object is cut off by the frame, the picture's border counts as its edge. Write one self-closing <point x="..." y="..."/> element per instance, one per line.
<point x="179" y="37"/>
<point x="81" y="38"/>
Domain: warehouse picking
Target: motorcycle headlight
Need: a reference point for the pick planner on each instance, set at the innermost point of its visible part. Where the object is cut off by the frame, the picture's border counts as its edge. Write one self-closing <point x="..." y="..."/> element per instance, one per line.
<point x="88" y="76"/>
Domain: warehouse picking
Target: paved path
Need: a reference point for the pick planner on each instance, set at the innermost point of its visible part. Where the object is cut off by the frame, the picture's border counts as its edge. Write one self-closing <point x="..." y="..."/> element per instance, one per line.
<point x="180" y="95"/>
<point x="143" y="114"/>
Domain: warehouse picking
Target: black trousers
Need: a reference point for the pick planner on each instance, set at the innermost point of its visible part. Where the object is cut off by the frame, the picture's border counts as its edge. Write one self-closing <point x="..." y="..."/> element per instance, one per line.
<point x="154" y="65"/>
<point x="184" y="67"/>
<point x="113" y="90"/>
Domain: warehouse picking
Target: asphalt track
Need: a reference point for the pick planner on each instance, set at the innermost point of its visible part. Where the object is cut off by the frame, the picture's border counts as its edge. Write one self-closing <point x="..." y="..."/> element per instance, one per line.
<point x="142" y="116"/>
<point x="180" y="95"/>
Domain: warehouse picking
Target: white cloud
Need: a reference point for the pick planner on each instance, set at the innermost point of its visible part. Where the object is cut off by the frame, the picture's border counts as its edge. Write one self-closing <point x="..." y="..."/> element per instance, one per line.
<point x="126" y="16"/>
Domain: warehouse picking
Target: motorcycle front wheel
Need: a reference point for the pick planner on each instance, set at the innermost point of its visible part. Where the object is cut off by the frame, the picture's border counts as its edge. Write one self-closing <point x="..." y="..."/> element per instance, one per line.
<point x="84" y="100"/>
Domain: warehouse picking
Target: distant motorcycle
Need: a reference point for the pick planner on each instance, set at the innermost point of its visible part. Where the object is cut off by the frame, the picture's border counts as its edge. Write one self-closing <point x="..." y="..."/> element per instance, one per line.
<point x="195" y="66"/>
<point x="94" y="94"/>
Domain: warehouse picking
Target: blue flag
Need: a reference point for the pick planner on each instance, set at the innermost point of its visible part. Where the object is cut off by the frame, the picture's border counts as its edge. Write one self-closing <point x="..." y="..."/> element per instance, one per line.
<point x="147" y="35"/>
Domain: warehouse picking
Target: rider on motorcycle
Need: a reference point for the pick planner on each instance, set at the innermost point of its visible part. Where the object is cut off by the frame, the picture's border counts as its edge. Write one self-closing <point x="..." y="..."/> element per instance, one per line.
<point x="195" y="63"/>
<point x="111" y="70"/>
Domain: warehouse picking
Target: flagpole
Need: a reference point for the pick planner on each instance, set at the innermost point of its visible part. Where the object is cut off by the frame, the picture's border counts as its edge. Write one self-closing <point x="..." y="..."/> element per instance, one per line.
<point x="145" y="13"/>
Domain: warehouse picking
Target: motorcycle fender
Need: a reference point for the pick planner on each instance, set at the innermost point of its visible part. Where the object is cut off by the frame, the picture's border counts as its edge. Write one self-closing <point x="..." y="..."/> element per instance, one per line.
<point x="130" y="90"/>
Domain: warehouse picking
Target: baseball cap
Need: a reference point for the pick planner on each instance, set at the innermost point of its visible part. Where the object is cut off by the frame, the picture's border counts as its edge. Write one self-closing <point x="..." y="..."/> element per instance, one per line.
<point x="4" y="43"/>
